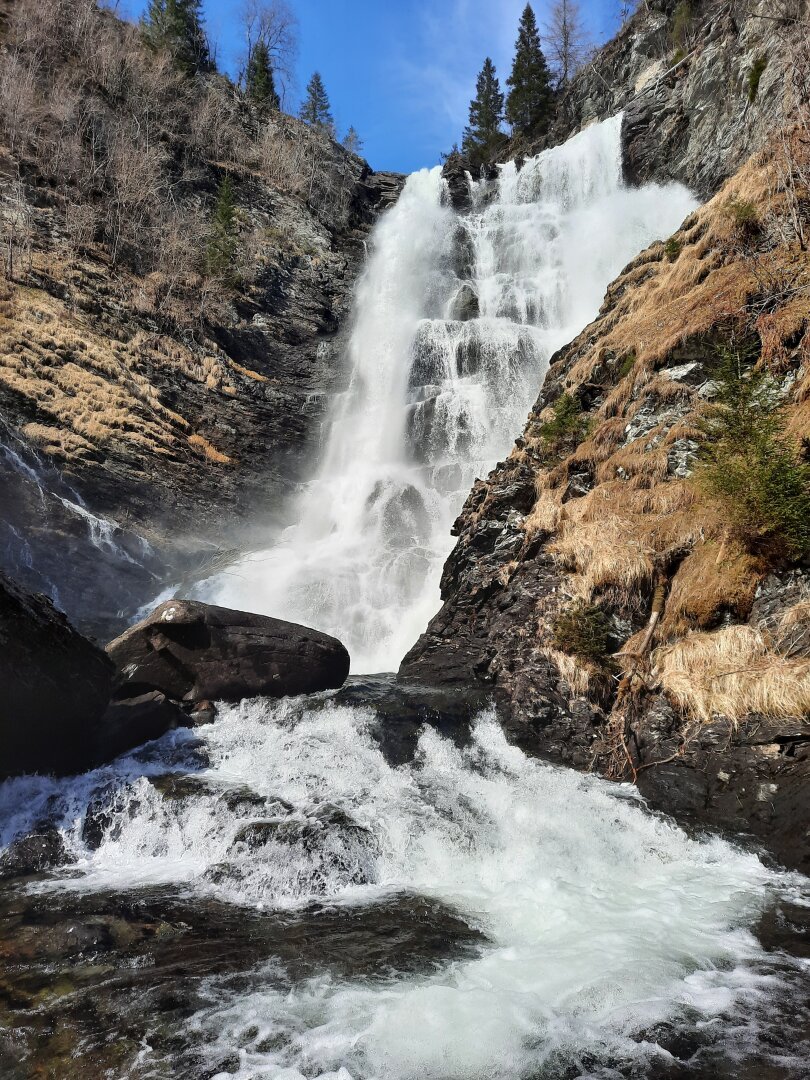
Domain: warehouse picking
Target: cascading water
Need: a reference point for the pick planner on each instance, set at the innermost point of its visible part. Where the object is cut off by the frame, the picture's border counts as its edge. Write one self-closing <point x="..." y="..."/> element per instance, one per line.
<point x="469" y="914"/>
<point x="455" y="320"/>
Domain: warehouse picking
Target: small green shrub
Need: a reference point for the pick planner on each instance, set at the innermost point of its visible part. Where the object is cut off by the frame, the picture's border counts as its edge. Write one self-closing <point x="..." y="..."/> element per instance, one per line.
<point x="743" y="213"/>
<point x="585" y="631"/>
<point x="221" y="247"/>
<point x="754" y="75"/>
<point x="673" y="248"/>
<point x="677" y="56"/>
<point x="566" y="429"/>
<point x="749" y="465"/>
<point x="627" y="365"/>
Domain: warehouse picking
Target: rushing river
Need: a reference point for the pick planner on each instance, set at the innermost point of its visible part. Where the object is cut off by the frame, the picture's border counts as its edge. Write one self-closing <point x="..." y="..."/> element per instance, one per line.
<point x="328" y="889"/>
<point x="467" y="913"/>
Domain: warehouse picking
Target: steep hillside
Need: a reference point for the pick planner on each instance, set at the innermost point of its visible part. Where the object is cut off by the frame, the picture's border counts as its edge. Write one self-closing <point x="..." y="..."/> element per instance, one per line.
<point x="632" y="581"/>
<point x="178" y="266"/>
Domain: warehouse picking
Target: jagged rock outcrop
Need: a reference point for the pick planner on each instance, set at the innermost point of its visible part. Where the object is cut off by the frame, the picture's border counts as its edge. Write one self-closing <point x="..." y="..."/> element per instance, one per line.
<point x="597" y="515"/>
<point x="198" y="652"/>
<point x="703" y="85"/>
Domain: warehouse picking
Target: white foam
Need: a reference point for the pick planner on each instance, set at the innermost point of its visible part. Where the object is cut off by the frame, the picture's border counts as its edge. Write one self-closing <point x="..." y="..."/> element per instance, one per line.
<point x="601" y="918"/>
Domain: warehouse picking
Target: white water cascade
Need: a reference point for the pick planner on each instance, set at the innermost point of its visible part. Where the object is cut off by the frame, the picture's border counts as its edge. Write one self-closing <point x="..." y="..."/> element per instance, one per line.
<point x="597" y="921"/>
<point x="455" y="319"/>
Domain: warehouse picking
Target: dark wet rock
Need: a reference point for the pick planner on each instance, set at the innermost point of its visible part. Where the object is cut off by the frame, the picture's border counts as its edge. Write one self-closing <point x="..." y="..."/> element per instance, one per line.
<point x="404" y="707"/>
<point x="201" y="713"/>
<point x="309" y="831"/>
<point x="463" y="253"/>
<point x="55" y="687"/>
<point x="34" y="853"/>
<point x="193" y="652"/>
<point x="327" y="846"/>
<point x="455" y="172"/>
<point x="108" y="808"/>
<point x="465" y="304"/>
<point x="132" y="721"/>
<point x="238" y="798"/>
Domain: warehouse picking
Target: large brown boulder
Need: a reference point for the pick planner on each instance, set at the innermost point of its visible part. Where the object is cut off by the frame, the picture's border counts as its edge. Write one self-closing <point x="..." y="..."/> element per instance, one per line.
<point x="54" y="687"/>
<point x="192" y="652"/>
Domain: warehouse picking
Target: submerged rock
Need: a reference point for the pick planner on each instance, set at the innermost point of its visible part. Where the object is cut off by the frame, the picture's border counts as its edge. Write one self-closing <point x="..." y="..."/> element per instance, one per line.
<point x="193" y="652"/>
<point x="33" y="853"/>
<point x="56" y="686"/>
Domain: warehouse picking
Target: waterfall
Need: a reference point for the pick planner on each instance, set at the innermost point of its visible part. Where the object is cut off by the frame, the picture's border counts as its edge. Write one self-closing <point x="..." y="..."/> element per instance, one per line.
<point x="455" y="319"/>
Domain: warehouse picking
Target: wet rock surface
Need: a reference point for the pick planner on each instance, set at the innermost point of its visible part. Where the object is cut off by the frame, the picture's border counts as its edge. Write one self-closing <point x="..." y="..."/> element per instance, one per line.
<point x="86" y="980"/>
<point x="56" y="686"/>
<point x="197" y="652"/>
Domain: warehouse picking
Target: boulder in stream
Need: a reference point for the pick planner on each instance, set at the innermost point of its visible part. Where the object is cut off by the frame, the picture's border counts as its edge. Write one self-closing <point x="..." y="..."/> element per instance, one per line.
<point x="192" y="652"/>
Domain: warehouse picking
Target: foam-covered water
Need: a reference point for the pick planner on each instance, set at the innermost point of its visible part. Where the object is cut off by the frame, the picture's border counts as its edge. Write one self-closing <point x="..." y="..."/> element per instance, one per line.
<point x="600" y="919"/>
<point x="455" y="319"/>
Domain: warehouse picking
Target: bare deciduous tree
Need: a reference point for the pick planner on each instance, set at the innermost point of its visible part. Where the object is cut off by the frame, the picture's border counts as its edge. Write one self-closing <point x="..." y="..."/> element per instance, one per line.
<point x="18" y="228"/>
<point x="273" y="23"/>
<point x="566" y="39"/>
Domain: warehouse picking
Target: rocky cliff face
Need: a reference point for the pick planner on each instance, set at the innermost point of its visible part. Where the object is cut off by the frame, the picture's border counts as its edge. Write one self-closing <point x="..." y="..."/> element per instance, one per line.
<point x="158" y="400"/>
<point x="612" y="604"/>
<point x="703" y="84"/>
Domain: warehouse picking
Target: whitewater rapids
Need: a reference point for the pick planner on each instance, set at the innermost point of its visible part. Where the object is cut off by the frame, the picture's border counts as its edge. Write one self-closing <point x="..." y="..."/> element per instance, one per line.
<point x="599" y="920"/>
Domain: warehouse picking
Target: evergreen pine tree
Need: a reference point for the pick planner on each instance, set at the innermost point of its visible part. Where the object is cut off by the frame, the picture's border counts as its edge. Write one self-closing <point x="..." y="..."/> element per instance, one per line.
<point x="528" y="105"/>
<point x="315" y="106"/>
<point x="483" y="135"/>
<point x="177" y="25"/>
<point x="222" y="242"/>
<point x="259" y="82"/>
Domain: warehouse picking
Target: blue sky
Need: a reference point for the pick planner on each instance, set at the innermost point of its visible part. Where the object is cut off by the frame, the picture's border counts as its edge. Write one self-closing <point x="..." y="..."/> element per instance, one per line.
<point x="401" y="71"/>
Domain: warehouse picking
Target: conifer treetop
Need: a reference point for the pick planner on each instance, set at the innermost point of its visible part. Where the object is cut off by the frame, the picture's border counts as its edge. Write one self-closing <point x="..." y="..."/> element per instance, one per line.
<point x="315" y="107"/>
<point x="483" y="135"/>
<point x="529" y="103"/>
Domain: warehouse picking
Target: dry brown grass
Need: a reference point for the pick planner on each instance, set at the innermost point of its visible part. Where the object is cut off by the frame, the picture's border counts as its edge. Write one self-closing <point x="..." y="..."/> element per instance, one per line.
<point x="208" y="450"/>
<point x="716" y="577"/>
<point x="602" y="552"/>
<point x="733" y="673"/>
<point x="90" y="388"/>
<point x="544" y="516"/>
<point x="579" y="675"/>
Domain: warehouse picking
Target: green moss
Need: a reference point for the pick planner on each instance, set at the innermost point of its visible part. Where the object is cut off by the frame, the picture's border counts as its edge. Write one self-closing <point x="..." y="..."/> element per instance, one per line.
<point x="566" y="429"/>
<point x="585" y="631"/>
<point x="754" y="75"/>
<point x="750" y="466"/>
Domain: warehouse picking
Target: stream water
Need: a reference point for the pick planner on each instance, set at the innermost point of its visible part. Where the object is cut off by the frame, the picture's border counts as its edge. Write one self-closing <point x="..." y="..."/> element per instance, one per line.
<point x="368" y="885"/>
